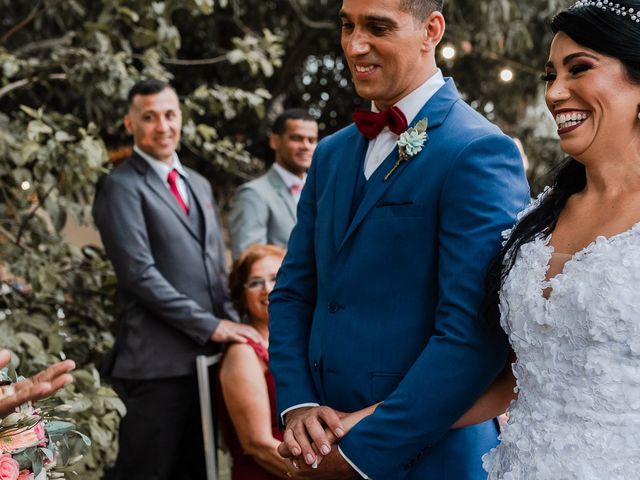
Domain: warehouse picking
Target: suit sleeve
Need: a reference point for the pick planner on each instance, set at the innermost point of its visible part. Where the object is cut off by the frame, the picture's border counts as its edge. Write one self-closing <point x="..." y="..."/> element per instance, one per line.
<point x="119" y="216"/>
<point x="248" y="220"/>
<point x="291" y="305"/>
<point x="483" y="191"/>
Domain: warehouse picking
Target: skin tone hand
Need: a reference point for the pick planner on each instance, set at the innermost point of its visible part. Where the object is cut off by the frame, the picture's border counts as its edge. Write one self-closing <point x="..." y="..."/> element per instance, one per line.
<point x="306" y="426"/>
<point x="333" y="464"/>
<point x="39" y="386"/>
<point x="228" y="331"/>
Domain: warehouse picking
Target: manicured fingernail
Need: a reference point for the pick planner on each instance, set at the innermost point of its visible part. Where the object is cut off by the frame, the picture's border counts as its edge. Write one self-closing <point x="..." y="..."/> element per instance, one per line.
<point x="339" y="432"/>
<point x="314" y="465"/>
<point x="296" y="451"/>
<point x="325" y="449"/>
<point x="310" y="458"/>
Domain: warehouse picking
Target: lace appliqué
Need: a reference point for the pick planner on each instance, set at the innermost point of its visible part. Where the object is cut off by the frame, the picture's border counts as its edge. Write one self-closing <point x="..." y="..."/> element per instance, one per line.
<point x="578" y="369"/>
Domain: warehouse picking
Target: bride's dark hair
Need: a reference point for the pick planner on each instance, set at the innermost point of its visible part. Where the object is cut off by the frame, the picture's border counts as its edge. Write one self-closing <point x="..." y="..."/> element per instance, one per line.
<point x="606" y="32"/>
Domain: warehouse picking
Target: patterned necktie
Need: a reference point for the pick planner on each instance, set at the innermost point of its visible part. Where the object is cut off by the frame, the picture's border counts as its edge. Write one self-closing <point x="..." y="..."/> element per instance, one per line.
<point x="173" y="186"/>
<point x="371" y="124"/>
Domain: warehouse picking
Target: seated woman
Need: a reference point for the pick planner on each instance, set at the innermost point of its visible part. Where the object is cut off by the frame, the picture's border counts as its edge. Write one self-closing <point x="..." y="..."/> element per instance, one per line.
<point x="248" y="389"/>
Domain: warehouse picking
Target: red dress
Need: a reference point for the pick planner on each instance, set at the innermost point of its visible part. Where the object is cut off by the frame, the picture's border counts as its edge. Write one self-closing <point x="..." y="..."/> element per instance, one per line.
<point x="244" y="467"/>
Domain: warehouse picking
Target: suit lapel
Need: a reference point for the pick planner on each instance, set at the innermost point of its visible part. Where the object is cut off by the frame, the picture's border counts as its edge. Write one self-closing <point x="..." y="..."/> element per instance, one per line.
<point x="283" y="191"/>
<point x="156" y="185"/>
<point x="346" y="178"/>
<point x="436" y="110"/>
<point x="200" y="201"/>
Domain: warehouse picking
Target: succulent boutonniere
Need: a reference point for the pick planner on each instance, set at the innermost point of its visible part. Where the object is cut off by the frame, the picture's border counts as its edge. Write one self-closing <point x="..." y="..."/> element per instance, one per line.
<point x="410" y="143"/>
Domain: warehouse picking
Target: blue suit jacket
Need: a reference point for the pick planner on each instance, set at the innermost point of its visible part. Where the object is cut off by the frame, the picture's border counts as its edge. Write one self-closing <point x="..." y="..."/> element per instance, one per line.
<point x="385" y="307"/>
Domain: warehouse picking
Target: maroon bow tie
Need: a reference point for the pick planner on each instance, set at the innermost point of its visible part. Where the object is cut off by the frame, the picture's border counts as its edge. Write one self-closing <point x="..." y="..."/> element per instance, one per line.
<point x="371" y="124"/>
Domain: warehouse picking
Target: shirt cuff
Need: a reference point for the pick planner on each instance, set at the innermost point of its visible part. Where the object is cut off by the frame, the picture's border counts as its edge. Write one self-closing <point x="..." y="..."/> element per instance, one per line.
<point x="360" y="472"/>
<point x="300" y="405"/>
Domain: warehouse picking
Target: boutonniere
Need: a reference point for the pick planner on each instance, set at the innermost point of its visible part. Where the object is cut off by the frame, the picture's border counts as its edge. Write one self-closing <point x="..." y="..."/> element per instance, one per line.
<point x="410" y="143"/>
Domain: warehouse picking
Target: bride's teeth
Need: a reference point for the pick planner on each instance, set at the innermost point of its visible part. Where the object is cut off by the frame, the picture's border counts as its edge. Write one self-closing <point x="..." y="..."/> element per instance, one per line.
<point x="565" y="120"/>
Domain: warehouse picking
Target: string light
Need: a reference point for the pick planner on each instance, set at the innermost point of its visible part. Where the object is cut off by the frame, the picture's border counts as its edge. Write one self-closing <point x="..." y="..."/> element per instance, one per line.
<point x="448" y="52"/>
<point x="25" y="185"/>
<point x="506" y="75"/>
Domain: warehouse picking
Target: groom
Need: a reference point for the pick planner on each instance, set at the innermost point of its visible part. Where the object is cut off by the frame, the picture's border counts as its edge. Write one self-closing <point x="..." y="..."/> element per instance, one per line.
<point x="378" y="297"/>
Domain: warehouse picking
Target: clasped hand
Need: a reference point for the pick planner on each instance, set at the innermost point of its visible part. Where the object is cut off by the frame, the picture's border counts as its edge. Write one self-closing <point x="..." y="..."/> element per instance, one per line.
<point x="308" y="438"/>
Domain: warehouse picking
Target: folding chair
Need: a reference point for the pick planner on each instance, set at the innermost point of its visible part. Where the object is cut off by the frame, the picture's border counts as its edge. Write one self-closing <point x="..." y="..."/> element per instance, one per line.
<point x="203" y="363"/>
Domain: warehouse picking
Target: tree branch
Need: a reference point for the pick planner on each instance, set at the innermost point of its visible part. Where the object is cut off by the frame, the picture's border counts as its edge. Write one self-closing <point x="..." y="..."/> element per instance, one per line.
<point x="307" y="21"/>
<point x="44" y="44"/>
<point x="39" y="9"/>
<point x="7" y="234"/>
<point x="184" y="62"/>
<point x="28" y="81"/>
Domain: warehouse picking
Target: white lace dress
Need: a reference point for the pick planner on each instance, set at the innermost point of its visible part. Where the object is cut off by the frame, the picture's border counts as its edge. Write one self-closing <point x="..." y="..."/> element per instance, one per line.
<point x="577" y="415"/>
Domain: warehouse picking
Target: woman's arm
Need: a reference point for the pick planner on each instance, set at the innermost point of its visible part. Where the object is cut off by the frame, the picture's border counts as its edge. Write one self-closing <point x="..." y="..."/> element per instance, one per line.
<point x="245" y="393"/>
<point x="494" y="401"/>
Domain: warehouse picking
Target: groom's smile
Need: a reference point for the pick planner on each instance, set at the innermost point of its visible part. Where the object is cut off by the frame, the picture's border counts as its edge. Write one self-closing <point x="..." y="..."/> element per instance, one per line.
<point x="386" y="49"/>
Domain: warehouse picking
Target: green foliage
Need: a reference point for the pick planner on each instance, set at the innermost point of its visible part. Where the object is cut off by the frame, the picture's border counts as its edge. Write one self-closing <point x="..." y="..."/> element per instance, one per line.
<point x="65" y="69"/>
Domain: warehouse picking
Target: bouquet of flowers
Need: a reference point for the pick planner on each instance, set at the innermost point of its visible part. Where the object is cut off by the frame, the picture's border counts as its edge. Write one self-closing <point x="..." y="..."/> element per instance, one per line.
<point x="35" y="443"/>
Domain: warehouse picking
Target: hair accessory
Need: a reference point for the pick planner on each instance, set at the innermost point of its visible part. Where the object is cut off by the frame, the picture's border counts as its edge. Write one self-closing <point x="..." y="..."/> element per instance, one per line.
<point x="612" y="6"/>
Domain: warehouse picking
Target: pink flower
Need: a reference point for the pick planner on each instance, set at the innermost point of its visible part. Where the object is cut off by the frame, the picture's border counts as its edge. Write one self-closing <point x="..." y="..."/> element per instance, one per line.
<point x="9" y="468"/>
<point x="25" y="475"/>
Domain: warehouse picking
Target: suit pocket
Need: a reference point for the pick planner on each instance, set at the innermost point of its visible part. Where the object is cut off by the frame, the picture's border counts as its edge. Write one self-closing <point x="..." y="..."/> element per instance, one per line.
<point x="382" y="384"/>
<point x="397" y="210"/>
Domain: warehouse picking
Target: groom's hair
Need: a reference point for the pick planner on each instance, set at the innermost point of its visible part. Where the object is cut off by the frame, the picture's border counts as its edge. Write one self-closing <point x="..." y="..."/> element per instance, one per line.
<point x="421" y="9"/>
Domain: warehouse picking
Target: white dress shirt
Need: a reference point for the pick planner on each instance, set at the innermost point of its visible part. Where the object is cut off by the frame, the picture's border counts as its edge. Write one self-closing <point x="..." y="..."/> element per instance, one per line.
<point x="163" y="170"/>
<point x="380" y="147"/>
<point x="290" y="179"/>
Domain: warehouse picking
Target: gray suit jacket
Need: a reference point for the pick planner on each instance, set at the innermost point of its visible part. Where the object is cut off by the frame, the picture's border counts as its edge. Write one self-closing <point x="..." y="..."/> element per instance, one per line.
<point x="172" y="279"/>
<point x="263" y="211"/>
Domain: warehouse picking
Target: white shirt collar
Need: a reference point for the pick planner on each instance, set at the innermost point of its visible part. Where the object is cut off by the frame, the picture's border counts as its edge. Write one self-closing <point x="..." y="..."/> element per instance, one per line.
<point x="287" y="177"/>
<point x="161" y="168"/>
<point x="413" y="103"/>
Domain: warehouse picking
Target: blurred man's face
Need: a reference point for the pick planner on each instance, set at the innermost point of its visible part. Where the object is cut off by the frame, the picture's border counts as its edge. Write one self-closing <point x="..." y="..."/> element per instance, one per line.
<point x="294" y="147"/>
<point x="155" y="121"/>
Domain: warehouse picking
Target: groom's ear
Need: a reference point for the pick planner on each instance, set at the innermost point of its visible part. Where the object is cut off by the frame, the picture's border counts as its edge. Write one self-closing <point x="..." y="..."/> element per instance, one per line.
<point x="434" y="26"/>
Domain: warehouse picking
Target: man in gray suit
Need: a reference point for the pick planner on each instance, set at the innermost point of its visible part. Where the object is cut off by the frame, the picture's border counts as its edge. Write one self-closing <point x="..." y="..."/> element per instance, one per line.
<point x="264" y="209"/>
<point x="160" y="229"/>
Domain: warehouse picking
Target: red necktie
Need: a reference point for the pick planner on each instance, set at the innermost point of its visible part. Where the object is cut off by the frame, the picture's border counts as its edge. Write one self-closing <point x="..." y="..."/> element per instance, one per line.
<point x="371" y="124"/>
<point x="173" y="186"/>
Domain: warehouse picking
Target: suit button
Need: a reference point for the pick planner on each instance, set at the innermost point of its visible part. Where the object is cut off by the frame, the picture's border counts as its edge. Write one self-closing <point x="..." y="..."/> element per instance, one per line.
<point x="333" y="307"/>
<point x="315" y="365"/>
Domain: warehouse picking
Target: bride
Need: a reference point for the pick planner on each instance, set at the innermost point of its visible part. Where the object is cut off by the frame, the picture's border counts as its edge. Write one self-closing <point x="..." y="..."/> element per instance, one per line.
<point x="569" y="274"/>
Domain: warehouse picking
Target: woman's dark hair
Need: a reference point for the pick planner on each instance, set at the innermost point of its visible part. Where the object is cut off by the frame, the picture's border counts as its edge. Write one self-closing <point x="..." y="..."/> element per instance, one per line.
<point x="242" y="267"/>
<point x="606" y="32"/>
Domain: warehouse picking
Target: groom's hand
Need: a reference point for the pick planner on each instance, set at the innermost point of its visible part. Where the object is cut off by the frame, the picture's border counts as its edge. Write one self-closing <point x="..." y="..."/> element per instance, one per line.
<point x="333" y="466"/>
<point x="305" y="426"/>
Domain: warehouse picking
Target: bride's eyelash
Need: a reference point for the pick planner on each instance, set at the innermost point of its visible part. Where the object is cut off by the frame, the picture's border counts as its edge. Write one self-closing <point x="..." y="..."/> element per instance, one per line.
<point x="548" y="77"/>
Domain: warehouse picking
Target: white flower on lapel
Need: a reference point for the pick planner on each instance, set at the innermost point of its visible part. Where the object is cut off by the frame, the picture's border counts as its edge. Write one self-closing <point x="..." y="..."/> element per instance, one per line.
<point x="410" y="143"/>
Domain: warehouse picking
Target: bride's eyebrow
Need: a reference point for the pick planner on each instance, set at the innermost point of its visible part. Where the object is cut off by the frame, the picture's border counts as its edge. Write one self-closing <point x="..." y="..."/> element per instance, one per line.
<point x="573" y="56"/>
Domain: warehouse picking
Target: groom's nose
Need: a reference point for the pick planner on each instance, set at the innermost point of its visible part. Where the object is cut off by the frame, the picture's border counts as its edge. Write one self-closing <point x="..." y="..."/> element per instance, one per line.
<point x="357" y="43"/>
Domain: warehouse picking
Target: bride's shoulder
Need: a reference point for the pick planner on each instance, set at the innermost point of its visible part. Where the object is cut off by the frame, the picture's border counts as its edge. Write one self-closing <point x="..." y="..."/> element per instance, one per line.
<point x="534" y="203"/>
